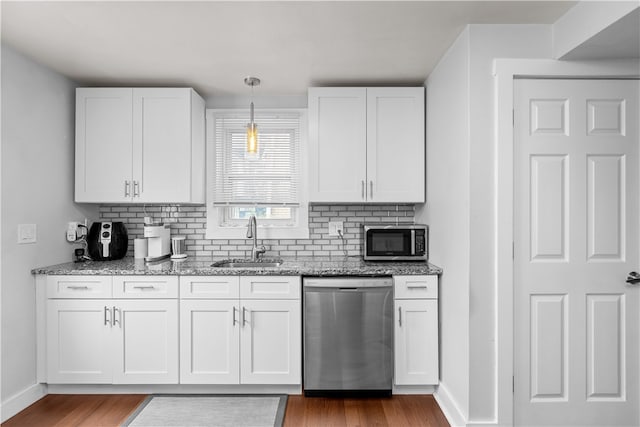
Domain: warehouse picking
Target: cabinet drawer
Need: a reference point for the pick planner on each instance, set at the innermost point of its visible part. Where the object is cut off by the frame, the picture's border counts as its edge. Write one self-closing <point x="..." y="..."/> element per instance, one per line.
<point x="78" y="287"/>
<point x="411" y="287"/>
<point x="145" y="286"/>
<point x="219" y="287"/>
<point x="270" y="287"/>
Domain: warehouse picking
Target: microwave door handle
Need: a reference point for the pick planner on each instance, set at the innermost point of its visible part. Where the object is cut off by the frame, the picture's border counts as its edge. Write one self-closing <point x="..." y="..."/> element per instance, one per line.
<point x="413" y="242"/>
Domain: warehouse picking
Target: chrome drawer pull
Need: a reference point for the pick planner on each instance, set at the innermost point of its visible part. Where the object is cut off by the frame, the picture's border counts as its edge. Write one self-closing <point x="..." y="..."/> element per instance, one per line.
<point x="234" y="316"/>
<point x="417" y="286"/>
<point x="144" y="287"/>
<point x="107" y="312"/>
<point x="77" y="287"/>
<point x="400" y="316"/>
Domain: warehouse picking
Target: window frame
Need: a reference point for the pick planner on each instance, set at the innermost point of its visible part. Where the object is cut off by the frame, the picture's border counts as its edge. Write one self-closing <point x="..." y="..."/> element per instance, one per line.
<point x="215" y="227"/>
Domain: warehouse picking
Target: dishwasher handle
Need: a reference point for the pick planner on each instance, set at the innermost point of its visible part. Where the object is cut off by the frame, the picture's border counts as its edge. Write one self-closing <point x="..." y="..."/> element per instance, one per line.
<point x="348" y="283"/>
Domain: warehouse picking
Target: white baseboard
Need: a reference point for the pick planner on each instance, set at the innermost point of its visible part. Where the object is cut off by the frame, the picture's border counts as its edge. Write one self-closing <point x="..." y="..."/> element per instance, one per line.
<point x="450" y="408"/>
<point x="20" y="401"/>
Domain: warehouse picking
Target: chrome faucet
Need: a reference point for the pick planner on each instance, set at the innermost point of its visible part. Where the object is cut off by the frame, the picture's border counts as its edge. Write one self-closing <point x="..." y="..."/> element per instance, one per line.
<point x="252" y="232"/>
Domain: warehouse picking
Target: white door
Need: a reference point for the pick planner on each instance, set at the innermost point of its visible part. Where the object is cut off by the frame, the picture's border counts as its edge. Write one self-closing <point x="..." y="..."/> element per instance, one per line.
<point x="145" y="342"/>
<point x="270" y="342"/>
<point x="337" y="144"/>
<point x="395" y="145"/>
<point x="416" y="342"/>
<point x="209" y="341"/>
<point x="162" y="145"/>
<point x="78" y="342"/>
<point x="576" y="239"/>
<point x="103" y="145"/>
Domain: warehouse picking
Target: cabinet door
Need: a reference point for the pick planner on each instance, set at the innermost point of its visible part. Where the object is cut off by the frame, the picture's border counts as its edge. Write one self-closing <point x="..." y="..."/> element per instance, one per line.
<point x="78" y="342"/>
<point x="162" y="145"/>
<point x="270" y="341"/>
<point x="337" y="142"/>
<point x="395" y="145"/>
<point x="103" y="145"/>
<point x="145" y="344"/>
<point x="416" y="342"/>
<point x="209" y="342"/>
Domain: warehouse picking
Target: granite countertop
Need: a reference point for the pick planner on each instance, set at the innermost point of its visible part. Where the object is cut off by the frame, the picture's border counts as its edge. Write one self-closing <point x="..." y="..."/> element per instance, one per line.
<point x="317" y="266"/>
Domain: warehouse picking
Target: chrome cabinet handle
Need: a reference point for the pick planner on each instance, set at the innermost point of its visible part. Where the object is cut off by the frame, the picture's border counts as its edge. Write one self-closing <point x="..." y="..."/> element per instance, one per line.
<point x="244" y="316"/>
<point x="362" y="189"/>
<point x="399" y="316"/>
<point x="127" y="189"/>
<point x="633" y="278"/>
<point x="136" y="189"/>
<point x="144" y="287"/>
<point x="371" y="188"/>
<point x="113" y="316"/>
<point x="234" y="316"/>
<point x="107" y="317"/>
<point x="77" y="287"/>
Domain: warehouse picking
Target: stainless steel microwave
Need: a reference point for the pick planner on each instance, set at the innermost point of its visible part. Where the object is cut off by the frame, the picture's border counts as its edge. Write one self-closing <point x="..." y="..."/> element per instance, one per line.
<point x="396" y="242"/>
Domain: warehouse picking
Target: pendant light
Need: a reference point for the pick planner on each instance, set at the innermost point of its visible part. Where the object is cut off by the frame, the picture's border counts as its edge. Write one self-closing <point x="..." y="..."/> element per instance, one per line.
<point x="252" y="128"/>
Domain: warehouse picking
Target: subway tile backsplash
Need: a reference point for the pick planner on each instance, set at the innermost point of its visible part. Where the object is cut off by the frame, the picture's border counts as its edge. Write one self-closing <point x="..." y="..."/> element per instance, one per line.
<point x="191" y="222"/>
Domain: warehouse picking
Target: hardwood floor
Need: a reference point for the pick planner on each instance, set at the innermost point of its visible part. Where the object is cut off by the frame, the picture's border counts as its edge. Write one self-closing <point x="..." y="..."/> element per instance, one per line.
<point x="113" y="409"/>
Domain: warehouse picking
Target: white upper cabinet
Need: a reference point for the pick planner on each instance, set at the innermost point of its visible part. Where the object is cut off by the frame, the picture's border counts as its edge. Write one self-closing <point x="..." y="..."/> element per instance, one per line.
<point x="139" y="145"/>
<point x="367" y="145"/>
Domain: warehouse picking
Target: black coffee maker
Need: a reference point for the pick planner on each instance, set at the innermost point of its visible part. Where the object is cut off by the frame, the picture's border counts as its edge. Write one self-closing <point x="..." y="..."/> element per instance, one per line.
<point x="107" y="241"/>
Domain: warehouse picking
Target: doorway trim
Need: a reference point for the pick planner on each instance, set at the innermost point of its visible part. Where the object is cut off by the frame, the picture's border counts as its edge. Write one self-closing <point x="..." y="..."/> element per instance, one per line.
<point x="504" y="72"/>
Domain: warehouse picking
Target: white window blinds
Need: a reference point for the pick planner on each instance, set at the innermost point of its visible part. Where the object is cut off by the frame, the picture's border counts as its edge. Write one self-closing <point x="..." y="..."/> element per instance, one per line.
<point x="270" y="178"/>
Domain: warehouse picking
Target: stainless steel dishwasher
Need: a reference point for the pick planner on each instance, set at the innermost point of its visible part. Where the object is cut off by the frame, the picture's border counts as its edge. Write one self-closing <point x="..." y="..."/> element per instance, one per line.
<point x="348" y="336"/>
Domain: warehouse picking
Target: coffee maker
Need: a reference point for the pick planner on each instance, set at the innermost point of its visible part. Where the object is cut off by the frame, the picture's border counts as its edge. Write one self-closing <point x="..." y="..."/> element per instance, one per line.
<point x="158" y="241"/>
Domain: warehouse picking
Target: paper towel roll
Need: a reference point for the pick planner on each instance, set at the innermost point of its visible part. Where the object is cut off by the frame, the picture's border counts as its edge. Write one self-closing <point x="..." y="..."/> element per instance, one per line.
<point x="140" y="248"/>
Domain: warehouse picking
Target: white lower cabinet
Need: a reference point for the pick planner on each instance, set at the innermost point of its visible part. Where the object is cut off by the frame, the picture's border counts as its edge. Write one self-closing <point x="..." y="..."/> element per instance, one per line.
<point x="416" y="330"/>
<point x="111" y="341"/>
<point x="238" y="340"/>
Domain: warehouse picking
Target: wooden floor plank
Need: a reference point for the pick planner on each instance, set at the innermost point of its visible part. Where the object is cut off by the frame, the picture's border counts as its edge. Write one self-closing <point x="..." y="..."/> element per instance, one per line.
<point x="112" y="410"/>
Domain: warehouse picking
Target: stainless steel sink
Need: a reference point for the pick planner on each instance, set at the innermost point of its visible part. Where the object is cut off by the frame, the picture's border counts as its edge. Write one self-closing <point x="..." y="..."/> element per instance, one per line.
<point x="247" y="263"/>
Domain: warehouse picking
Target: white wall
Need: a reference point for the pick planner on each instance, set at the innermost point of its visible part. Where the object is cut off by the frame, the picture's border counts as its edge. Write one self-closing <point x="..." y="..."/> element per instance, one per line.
<point x="447" y="213"/>
<point x="460" y="208"/>
<point x="37" y="187"/>
<point x="488" y="42"/>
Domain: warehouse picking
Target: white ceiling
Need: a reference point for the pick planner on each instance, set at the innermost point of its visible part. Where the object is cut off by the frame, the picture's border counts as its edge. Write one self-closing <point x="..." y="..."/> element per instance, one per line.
<point x="213" y="45"/>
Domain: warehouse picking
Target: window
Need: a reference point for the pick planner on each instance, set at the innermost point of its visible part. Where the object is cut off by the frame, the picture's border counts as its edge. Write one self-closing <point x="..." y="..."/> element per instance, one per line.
<point x="269" y="185"/>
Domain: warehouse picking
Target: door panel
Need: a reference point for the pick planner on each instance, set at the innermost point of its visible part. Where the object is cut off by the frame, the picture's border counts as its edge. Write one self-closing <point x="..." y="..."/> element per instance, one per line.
<point x="337" y="144"/>
<point x="162" y="144"/>
<point x="271" y="342"/>
<point x="576" y="238"/>
<point x="395" y="145"/>
<point x="78" y="342"/>
<point x="209" y="342"/>
<point x="145" y="345"/>
<point x="103" y="144"/>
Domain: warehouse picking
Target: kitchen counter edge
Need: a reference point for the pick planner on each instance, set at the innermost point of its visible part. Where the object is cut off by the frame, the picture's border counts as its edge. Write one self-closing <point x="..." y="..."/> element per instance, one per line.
<point x="202" y="267"/>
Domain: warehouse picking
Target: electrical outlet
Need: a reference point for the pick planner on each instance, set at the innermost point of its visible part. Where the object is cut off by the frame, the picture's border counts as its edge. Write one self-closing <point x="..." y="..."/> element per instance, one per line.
<point x="72" y="231"/>
<point x="336" y="228"/>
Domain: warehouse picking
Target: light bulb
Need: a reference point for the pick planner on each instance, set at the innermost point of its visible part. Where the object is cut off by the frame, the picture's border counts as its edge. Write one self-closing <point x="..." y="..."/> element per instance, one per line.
<point x="252" y="138"/>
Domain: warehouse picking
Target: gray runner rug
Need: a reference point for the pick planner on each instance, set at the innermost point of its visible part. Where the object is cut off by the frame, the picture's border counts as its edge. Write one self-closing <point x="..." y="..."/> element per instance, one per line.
<point x="210" y="411"/>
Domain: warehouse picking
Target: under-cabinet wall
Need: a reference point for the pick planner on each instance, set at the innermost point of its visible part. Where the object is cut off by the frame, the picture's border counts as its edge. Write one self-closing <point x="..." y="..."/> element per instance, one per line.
<point x="191" y="222"/>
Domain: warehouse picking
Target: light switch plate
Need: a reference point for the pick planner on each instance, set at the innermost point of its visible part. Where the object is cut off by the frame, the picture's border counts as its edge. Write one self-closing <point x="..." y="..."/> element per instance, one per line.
<point x="334" y="227"/>
<point x="27" y="233"/>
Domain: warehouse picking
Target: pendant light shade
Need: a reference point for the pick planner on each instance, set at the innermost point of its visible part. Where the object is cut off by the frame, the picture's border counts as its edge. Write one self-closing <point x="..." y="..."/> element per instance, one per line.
<point x="252" y="128"/>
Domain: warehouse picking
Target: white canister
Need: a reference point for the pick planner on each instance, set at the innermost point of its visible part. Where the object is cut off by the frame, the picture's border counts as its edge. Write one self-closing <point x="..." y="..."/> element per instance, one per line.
<point x="140" y="248"/>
